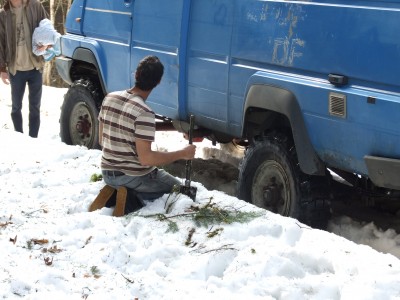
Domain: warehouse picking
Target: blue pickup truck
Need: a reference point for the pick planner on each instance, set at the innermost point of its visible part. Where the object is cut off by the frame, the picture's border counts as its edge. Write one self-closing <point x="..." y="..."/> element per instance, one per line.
<point x="309" y="88"/>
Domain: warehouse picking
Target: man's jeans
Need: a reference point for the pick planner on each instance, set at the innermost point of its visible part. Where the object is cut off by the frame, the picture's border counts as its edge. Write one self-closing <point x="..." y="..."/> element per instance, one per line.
<point x="148" y="187"/>
<point x="18" y="83"/>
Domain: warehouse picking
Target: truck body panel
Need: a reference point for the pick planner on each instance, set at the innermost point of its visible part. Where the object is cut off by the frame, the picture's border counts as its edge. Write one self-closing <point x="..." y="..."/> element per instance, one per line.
<point x="214" y="51"/>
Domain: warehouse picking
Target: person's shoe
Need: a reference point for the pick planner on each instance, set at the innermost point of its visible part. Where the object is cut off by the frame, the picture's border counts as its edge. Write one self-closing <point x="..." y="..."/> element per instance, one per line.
<point x="105" y="194"/>
<point x="119" y="209"/>
<point x="132" y="202"/>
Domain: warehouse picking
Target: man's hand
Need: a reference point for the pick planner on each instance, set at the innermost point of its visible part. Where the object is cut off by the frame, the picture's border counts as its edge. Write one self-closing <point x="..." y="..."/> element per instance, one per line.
<point x="4" y="78"/>
<point x="42" y="48"/>
<point x="148" y="157"/>
<point x="188" y="152"/>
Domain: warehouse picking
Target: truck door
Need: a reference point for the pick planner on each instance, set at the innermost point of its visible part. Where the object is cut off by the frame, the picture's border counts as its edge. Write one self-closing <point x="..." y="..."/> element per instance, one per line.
<point x="110" y="20"/>
<point x="74" y="17"/>
<point x="106" y="26"/>
<point x="157" y="31"/>
<point x="209" y="43"/>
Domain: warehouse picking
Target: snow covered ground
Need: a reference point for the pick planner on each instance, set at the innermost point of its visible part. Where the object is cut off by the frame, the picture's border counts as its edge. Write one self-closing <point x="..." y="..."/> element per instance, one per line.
<point x="53" y="248"/>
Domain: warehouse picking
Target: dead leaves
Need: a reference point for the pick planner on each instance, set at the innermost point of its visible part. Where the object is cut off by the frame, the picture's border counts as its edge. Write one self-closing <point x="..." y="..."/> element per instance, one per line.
<point x="215" y="232"/>
<point x="87" y="275"/>
<point x="210" y="234"/>
<point x="13" y="240"/>
<point x="48" y="261"/>
<point x="53" y="250"/>
<point x="189" y="241"/>
<point x="95" y="272"/>
<point x="39" y="242"/>
<point x="3" y="225"/>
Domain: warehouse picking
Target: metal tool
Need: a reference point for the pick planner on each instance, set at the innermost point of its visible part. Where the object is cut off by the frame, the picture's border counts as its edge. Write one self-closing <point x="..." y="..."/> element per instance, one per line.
<point x="187" y="189"/>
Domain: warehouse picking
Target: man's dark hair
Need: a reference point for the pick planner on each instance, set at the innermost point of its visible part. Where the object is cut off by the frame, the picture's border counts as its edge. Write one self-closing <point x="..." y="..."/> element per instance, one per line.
<point x="149" y="73"/>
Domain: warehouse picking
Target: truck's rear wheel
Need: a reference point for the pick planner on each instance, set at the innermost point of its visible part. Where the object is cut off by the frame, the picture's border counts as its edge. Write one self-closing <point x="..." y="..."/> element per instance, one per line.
<point x="78" y="119"/>
<point x="270" y="178"/>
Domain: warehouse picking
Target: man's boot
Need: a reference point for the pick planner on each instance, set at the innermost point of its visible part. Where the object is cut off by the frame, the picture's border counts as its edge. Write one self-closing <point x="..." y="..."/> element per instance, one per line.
<point x="132" y="202"/>
<point x="101" y="200"/>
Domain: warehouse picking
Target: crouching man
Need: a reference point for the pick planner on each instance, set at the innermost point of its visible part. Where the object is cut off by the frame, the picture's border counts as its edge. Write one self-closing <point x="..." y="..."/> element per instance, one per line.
<point x="126" y="132"/>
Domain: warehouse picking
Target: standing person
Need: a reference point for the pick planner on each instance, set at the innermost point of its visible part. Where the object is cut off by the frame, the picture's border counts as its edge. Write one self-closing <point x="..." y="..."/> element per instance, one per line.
<point x="126" y="132"/>
<point x="18" y="65"/>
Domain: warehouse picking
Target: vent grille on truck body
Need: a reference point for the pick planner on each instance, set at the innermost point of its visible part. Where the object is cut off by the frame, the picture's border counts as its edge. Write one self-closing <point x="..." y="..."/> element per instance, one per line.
<point x="337" y="105"/>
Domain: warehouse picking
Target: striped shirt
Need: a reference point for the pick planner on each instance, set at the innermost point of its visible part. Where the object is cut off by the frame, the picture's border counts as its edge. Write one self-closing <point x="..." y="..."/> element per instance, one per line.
<point x="125" y="118"/>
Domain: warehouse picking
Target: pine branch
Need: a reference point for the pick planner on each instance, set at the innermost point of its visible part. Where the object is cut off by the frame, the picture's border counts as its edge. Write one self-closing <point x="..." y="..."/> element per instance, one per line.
<point x="207" y="215"/>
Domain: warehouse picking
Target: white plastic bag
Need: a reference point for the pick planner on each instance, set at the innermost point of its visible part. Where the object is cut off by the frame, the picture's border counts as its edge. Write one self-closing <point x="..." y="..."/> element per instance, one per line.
<point x="46" y="35"/>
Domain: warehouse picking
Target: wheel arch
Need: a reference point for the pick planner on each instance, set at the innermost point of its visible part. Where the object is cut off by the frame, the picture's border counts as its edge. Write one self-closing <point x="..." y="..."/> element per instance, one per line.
<point x="85" y="64"/>
<point x="269" y="106"/>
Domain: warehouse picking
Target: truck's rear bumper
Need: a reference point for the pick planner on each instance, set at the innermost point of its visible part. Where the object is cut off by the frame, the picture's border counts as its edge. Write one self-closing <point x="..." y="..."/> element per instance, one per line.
<point x="384" y="172"/>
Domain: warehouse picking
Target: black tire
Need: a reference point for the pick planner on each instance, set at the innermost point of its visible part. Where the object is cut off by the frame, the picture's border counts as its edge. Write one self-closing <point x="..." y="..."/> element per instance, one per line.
<point x="270" y="178"/>
<point x="79" y="112"/>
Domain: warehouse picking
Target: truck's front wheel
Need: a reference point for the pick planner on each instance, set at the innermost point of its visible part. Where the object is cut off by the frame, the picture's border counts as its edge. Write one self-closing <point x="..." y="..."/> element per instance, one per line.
<point x="78" y="119"/>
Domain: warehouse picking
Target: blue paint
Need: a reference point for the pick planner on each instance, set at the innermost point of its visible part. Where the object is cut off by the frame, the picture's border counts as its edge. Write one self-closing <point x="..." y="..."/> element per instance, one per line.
<point x="214" y="50"/>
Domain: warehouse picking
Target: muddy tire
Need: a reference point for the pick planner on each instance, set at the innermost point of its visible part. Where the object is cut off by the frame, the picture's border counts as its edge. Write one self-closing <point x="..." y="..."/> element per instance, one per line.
<point x="270" y="178"/>
<point x="79" y="112"/>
